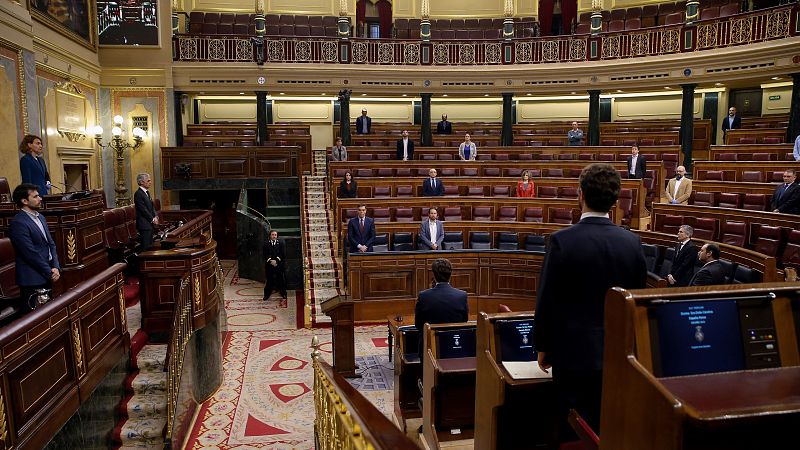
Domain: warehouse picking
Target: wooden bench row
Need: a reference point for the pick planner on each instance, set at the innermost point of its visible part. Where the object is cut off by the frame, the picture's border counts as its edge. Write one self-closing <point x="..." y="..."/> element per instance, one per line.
<point x="231" y="163"/>
<point x="756" y="136"/>
<point x="751" y="152"/>
<point x="745" y="171"/>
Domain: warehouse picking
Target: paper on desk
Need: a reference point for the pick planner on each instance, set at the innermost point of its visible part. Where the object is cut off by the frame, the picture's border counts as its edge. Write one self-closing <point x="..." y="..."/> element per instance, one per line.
<point x="520" y="370"/>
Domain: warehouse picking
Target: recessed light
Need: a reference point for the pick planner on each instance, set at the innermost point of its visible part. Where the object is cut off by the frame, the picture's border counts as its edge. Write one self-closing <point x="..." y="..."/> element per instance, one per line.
<point x="405" y="95"/>
<point x="363" y="95"/>
<point x="572" y="93"/>
<point x="776" y="78"/>
<point x="241" y="93"/>
<point x="485" y="95"/>
<point x="283" y="93"/>
<point x="444" y="95"/>
<point x="619" y="91"/>
<point x="667" y="87"/>
<point x="718" y="84"/>
<point x="528" y="94"/>
<point x="322" y="93"/>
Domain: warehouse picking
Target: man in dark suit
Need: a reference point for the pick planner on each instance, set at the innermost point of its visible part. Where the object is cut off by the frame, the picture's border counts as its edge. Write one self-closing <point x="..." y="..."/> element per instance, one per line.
<point x="146" y="218"/>
<point x="712" y="271"/>
<point x="363" y="123"/>
<point x="37" y="264"/>
<point x="444" y="127"/>
<point x="637" y="166"/>
<point x="275" y="266"/>
<point x="431" y="232"/>
<point x="685" y="256"/>
<point x="582" y="263"/>
<point x="32" y="166"/>
<point x="732" y="122"/>
<point x="405" y="148"/>
<point x="440" y="304"/>
<point x="432" y="186"/>
<point x="786" y="198"/>
<point x="361" y="231"/>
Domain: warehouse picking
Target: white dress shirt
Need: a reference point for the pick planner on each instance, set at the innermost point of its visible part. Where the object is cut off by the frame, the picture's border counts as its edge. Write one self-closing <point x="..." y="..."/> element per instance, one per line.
<point x="405" y="149"/>
<point x="677" y="186"/>
<point x="432" y="228"/>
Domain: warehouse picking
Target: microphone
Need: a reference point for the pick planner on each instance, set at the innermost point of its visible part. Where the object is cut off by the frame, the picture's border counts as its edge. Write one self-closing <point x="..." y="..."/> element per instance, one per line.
<point x="51" y="185"/>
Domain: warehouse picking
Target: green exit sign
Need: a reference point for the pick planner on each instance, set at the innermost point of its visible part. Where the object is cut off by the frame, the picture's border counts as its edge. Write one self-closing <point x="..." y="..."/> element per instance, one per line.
<point x="774" y="97"/>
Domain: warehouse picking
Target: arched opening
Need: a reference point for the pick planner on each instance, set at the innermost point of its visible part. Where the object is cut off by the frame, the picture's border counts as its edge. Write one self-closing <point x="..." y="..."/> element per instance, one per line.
<point x="374" y="19"/>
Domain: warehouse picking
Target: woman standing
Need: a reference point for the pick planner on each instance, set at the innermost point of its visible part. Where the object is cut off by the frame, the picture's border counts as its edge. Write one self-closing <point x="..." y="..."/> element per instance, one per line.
<point x="467" y="150"/>
<point x="525" y="187"/>
<point x="348" y="188"/>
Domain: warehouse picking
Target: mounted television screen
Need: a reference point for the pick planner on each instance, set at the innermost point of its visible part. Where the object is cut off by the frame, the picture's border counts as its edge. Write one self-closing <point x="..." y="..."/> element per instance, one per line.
<point x="699" y="337"/>
<point x="458" y="343"/>
<point x="516" y="340"/>
<point x="127" y="22"/>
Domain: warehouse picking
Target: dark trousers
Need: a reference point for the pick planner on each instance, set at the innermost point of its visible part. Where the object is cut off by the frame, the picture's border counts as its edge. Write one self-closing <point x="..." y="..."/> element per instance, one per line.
<point x="146" y="239"/>
<point x="581" y="391"/>
<point x="25" y="293"/>
<point x="275" y="280"/>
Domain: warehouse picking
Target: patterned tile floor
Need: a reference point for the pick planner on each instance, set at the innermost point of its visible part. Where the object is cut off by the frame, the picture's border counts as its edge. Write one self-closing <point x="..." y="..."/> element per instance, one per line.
<point x="265" y="400"/>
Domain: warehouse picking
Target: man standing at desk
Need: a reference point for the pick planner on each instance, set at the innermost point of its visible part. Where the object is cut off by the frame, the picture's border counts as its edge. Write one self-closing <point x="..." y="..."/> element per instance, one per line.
<point x="275" y="266"/>
<point x="432" y="186"/>
<point x="732" y="122"/>
<point x="37" y="264"/>
<point x="363" y="123"/>
<point x="431" y="232"/>
<point x="444" y="127"/>
<point x="146" y="218"/>
<point x="440" y="304"/>
<point x="361" y="231"/>
<point x="405" y="148"/>
<point x="582" y="262"/>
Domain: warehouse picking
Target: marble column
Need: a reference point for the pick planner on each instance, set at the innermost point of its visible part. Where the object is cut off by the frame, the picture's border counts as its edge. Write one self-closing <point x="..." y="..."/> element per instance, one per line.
<point x="687" y="124"/>
<point x="594" y="118"/>
<point x="794" y="110"/>
<point x="507" y="138"/>
<point x="261" y="116"/>
<point x="179" y="106"/>
<point x="427" y="136"/>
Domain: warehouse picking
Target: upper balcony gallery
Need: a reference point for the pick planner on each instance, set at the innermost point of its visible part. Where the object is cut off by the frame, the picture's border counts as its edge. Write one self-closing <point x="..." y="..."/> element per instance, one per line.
<point x="652" y="30"/>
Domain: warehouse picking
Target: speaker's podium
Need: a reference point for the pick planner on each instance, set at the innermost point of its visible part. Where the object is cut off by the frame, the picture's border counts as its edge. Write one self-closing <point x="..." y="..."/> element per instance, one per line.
<point x="340" y="310"/>
<point x="707" y="368"/>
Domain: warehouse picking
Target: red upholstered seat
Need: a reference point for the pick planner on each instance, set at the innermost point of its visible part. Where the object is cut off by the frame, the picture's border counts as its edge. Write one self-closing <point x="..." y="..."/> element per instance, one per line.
<point x="560" y="215"/>
<point x="404" y="172"/>
<point x="491" y="172"/>
<point x="768" y="240"/>
<point x="625" y="204"/>
<point x="405" y="191"/>
<point x="513" y="172"/>
<point x="365" y="157"/>
<point x="750" y="176"/>
<point x="473" y="172"/>
<point x="715" y="175"/>
<point x="761" y="157"/>
<point x="567" y="192"/>
<point x="559" y="173"/>
<point x="703" y="199"/>
<point x="482" y="213"/>
<point x="451" y="190"/>
<point x="791" y="254"/>
<point x="507" y="214"/>
<point x="547" y="192"/>
<point x="755" y="202"/>
<point x="423" y="172"/>
<point x="670" y="224"/>
<point x="734" y="233"/>
<point x="364" y="173"/>
<point x="381" y="214"/>
<point x="8" y="283"/>
<point x="726" y="157"/>
<point x="475" y="191"/>
<point x="533" y="214"/>
<point x="403" y="215"/>
<point x="705" y="228"/>
<point x="772" y="140"/>
<point x="452" y="213"/>
<point x="385" y="172"/>
<point x="382" y="192"/>
<point x="729" y="200"/>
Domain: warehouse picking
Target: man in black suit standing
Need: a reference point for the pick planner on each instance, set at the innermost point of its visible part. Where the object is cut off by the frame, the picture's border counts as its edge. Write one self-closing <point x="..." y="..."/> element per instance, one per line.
<point x="405" y="148"/>
<point x="444" y="127"/>
<point x="786" y="198"/>
<point x="685" y="256"/>
<point x="732" y="122"/>
<point x="712" y="271"/>
<point x="637" y="166"/>
<point x="582" y="263"/>
<point x="146" y="218"/>
<point x="363" y="123"/>
<point x="361" y="231"/>
<point x="442" y="303"/>
<point x="432" y="186"/>
<point x="275" y="266"/>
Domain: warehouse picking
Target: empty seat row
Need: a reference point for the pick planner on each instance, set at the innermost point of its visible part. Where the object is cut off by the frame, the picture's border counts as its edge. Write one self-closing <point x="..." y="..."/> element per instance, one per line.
<point x="748" y="157"/>
<point x="215" y="143"/>
<point x="748" y="176"/>
<point x="758" y="140"/>
<point x="454" y="240"/>
<point x="9" y="291"/>
<point x="302" y="30"/>
<point x="752" y="202"/>
<point x="658" y="14"/>
<point x="457" y="34"/>
<point x="227" y="132"/>
<point x="119" y="232"/>
<point x="475" y="213"/>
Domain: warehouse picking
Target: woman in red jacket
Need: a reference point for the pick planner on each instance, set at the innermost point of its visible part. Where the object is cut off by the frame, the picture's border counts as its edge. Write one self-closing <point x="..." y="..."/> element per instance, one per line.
<point x="525" y="187"/>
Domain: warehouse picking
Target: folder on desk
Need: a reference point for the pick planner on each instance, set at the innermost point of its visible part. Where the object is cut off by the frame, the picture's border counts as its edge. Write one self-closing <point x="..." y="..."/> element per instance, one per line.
<point x="521" y="370"/>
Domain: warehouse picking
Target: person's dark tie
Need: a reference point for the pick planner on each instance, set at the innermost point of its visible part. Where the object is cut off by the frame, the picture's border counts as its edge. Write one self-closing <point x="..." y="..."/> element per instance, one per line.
<point x="783" y="191"/>
<point x="680" y="247"/>
<point x="147" y="193"/>
<point x="433" y="183"/>
<point x="361" y="226"/>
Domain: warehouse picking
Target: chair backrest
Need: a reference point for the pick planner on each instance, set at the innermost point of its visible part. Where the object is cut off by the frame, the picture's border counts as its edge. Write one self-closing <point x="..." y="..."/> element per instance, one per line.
<point x="547" y="192"/>
<point x="405" y="191"/>
<point x="650" y="256"/>
<point x="703" y="199"/>
<point x="480" y="240"/>
<point x="507" y="241"/>
<point x="403" y="215"/>
<point x="727" y="269"/>
<point x="743" y="275"/>
<point x="561" y="215"/>
<point x="382" y="192"/>
<point x="534" y="243"/>
<point x="452" y="213"/>
<point x="381" y="214"/>
<point x="666" y="265"/>
<point x="750" y="176"/>
<point x="453" y="240"/>
<point x="568" y="192"/>
<point x="381" y="242"/>
<point x="8" y="283"/>
<point x="482" y="213"/>
<point x="402" y="241"/>
<point x="4" y="187"/>
<point x="733" y="233"/>
<point x="755" y="202"/>
<point x="451" y="190"/>
<point x="533" y="214"/>
<point x="507" y="214"/>
<point x="475" y="191"/>
<point x="500" y="191"/>
<point x="706" y="228"/>
<point x="729" y="200"/>
<point x="768" y="240"/>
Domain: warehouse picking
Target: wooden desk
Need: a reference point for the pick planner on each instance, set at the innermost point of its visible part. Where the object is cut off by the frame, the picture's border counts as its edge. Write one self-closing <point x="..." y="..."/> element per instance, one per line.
<point x="744" y="152"/>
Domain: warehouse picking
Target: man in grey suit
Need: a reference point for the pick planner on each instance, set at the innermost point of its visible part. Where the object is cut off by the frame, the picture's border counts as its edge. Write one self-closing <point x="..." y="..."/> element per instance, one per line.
<point x="431" y="232"/>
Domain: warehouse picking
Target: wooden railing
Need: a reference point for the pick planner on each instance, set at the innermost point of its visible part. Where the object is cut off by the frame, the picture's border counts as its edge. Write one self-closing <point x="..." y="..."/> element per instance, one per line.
<point x="345" y="419"/>
<point x="740" y="29"/>
<point x="179" y="337"/>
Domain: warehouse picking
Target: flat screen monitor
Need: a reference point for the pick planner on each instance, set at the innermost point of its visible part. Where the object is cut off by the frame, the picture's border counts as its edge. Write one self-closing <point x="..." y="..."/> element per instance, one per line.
<point x="516" y="340"/>
<point x="698" y="337"/>
<point x="410" y="337"/>
<point x="456" y="343"/>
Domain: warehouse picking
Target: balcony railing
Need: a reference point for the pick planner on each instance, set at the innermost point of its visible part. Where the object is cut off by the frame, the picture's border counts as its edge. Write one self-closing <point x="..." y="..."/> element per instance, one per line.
<point x="759" y="26"/>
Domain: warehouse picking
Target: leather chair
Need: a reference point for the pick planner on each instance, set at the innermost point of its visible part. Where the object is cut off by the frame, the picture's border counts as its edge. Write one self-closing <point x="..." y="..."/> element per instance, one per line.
<point x="381" y="215"/>
<point x="547" y="192"/>
<point x="364" y="173"/>
<point x="726" y="157"/>
<point x="447" y="172"/>
<point x="475" y="191"/>
<point x="561" y="215"/>
<point x="452" y="213"/>
<point x="666" y="264"/>
<point x="625" y="203"/>
<point x="727" y="269"/>
<point x="768" y="240"/>
<point x="749" y="176"/>
<point x="349" y="213"/>
<point x="703" y="199"/>
<point x="366" y="157"/>
<point x="706" y="228"/>
<point x="507" y="241"/>
<point x="404" y="172"/>
<point x="791" y="254"/>
<point x="507" y="214"/>
<point x="482" y="213"/>
<point x="570" y="192"/>
<point x="513" y="172"/>
<point x="500" y="191"/>
<point x="403" y="215"/>
<point x="670" y="224"/>
<point x="491" y="172"/>
<point x="405" y="191"/>
<point x="734" y="233"/>
<point x="761" y="157"/>
<point x="130" y="223"/>
<point x="755" y="202"/>
<point x="381" y="242"/>
<point x="729" y="200"/>
<point x="534" y="243"/>
<point x="533" y="214"/>
<point x="473" y="172"/>
<point x="453" y="240"/>
<point x="382" y="192"/>
<point x="558" y="173"/>
<point x="480" y="240"/>
<point x="743" y="275"/>
<point x="451" y="190"/>
<point x="650" y="256"/>
<point x="8" y="283"/>
<point x="715" y="175"/>
<point x="402" y="241"/>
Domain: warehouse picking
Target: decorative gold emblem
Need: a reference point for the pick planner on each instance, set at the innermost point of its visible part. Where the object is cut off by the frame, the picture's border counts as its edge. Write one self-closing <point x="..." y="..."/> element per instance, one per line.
<point x="197" y="296"/>
<point x="72" y="247"/>
<point x="3" y="422"/>
<point x="122" y="313"/>
<point x="76" y="343"/>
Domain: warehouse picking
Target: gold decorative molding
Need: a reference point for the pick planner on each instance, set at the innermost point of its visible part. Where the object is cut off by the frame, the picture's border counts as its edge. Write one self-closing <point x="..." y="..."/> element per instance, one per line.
<point x="3" y="420"/>
<point x="197" y="297"/>
<point x="23" y="92"/>
<point x="72" y="247"/>
<point x="76" y="343"/>
<point x="122" y="312"/>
